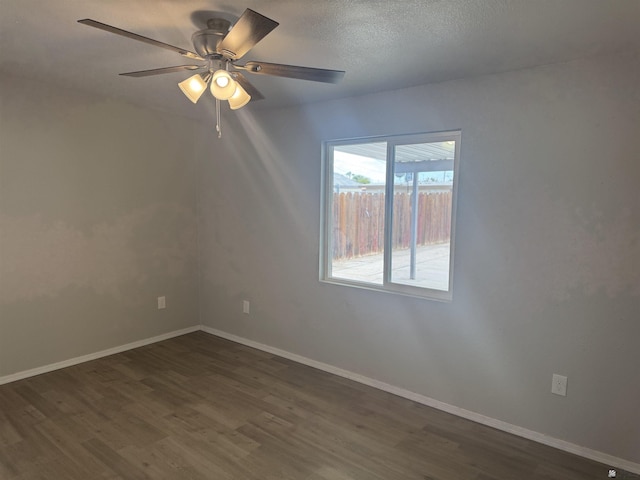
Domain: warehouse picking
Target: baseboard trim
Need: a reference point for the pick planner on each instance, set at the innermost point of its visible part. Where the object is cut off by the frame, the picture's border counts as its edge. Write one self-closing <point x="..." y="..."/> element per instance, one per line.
<point x="93" y="356"/>
<point x="563" y="445"/>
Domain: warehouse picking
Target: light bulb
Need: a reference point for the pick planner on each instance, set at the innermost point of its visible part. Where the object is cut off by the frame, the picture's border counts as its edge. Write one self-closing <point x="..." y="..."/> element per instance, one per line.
<point x="222" y="81"/>
<point x="239" y="98"/>
<point x="223" y="86"/>
<point x="194" y="86"/>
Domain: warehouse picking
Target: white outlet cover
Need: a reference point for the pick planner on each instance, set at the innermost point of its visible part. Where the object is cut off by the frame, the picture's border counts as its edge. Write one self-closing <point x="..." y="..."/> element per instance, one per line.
<point x="559" y="385"/>
<point x="162" y="302"/>
<point x="246" y="306"/>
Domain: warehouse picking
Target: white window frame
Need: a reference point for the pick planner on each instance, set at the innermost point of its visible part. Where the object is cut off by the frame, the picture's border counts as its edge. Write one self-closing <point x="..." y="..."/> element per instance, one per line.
<point x="326" y="215"/>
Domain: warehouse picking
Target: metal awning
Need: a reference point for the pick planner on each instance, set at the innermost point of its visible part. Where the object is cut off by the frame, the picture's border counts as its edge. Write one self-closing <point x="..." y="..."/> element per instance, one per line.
<point x="404" y="153"/>
<point x="417" y="157"/>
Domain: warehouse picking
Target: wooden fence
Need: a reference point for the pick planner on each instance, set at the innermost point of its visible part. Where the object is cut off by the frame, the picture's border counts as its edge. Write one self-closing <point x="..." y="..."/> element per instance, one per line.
<point x="358" y="220"/>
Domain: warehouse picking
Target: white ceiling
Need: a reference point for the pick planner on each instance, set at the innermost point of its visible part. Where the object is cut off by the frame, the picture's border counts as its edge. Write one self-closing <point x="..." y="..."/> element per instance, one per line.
<point x="382" y="44"/>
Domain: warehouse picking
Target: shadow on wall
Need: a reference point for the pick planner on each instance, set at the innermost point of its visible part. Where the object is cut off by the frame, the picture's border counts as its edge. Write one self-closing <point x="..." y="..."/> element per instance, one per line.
<point x="42" y="259"/>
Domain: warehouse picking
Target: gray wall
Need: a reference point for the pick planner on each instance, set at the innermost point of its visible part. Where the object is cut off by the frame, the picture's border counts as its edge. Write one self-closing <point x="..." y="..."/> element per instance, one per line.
<point x="547" y="274"/>
<point x="97" y="219"/>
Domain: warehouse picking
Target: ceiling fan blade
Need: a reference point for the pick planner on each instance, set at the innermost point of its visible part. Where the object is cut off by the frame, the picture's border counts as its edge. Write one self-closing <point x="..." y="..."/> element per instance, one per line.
<point x="292" y="71"/>
<point x="140" y="38"/>
<point x="248" y="87"/>
<point x="250" y="28"/>
<point x="160" y="71"/>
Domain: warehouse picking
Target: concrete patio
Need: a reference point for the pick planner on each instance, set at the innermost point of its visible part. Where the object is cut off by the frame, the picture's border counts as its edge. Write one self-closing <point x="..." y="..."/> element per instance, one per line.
<point x="432" y="267"/>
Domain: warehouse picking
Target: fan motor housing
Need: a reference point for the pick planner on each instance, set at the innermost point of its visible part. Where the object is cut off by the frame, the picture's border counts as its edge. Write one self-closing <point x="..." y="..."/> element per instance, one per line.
<point x="206" y="41"/>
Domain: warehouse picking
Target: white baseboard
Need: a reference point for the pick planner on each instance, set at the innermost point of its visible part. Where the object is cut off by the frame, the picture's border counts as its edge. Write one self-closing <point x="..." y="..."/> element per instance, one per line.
<point x="610" y="460"/>
<point x="93" y="356"/>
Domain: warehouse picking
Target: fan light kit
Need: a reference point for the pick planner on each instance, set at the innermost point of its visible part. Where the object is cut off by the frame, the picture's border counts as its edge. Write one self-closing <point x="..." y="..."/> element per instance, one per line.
<point x="220" y="46"/>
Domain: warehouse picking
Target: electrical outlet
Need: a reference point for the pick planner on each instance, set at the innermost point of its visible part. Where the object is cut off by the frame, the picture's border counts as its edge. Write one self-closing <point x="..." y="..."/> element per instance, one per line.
<point x="162" y="302"/>
<point x="246" y="307"/>
<point x="559" y="385"/>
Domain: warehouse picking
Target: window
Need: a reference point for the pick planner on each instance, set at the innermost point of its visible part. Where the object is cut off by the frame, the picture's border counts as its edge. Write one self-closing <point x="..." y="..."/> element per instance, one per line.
<point x="388" y="213"/>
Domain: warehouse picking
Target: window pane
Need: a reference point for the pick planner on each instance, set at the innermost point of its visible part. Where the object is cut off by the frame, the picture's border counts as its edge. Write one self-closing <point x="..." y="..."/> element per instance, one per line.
<point x="359" y="179"/>
<point x="388" y="213"/>
<point x="421" y="223"/>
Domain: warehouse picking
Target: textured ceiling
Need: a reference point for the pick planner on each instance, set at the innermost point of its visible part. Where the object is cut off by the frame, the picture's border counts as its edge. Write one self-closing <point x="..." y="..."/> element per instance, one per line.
<point x="382" y="45"/>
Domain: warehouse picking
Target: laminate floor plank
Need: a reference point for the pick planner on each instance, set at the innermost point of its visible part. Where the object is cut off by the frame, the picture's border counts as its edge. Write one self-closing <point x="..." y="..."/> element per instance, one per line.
<point x="199" y="407"/>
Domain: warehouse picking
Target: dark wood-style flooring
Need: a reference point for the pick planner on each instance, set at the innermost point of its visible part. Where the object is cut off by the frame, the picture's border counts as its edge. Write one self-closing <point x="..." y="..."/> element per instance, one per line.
<point x="200" y="407"/>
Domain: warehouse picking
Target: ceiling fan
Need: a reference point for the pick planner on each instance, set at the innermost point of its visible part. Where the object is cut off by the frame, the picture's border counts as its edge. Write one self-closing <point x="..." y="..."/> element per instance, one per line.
<point x="219" y="47"/>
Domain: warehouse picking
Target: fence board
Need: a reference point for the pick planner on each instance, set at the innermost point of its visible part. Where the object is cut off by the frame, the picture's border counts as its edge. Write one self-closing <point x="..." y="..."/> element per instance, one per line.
<point x="358" y="221"/>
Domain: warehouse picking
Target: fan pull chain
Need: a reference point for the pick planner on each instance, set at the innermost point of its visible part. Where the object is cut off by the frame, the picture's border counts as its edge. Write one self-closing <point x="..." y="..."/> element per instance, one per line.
<point x="218" y="127"/>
